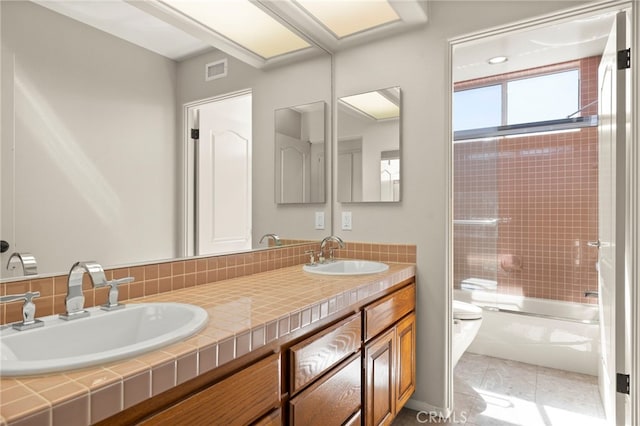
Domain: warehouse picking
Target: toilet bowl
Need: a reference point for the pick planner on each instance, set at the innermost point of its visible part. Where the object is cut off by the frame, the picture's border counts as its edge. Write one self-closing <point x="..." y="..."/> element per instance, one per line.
<point x="467" y="319"/>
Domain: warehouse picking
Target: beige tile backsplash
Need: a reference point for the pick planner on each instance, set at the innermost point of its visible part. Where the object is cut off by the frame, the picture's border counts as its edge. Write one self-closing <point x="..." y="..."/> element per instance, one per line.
<point x="163" y="277"/>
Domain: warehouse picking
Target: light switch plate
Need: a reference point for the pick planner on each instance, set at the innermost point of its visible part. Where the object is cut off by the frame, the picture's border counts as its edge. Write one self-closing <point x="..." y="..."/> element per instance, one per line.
<point x="346" y="221"/>
<point x="319" y="220"/>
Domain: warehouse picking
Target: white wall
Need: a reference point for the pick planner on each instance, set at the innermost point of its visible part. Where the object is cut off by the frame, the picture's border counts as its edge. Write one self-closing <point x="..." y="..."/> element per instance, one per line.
<point x="90" y="120"/>
<point x="295" y="84"/>
<point x="417" y="62"/>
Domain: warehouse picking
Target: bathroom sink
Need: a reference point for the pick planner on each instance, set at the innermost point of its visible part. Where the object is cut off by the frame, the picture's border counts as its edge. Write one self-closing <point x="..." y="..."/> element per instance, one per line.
<point x="97" y="339"/>
<point x="347" y="267"/>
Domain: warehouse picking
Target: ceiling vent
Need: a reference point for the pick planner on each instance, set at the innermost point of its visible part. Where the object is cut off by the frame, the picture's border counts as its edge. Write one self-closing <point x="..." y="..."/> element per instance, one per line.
<point x="214" y="70"/>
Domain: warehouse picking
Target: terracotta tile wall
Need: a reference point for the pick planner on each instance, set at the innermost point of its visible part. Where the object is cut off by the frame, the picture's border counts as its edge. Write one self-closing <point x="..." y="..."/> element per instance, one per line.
<point x="546" y="187"/>
<point x="475" y="197"/>
<point x="163" y="277"/>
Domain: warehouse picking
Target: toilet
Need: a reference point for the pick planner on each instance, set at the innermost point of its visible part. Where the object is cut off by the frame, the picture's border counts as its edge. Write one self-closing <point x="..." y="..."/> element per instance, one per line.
<point x="466" y="323"/>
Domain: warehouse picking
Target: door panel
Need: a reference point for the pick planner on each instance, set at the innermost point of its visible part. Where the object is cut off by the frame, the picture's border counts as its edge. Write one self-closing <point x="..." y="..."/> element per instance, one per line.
<point x="379" y="388"/>
<point x="612" y="133"/>
<point x="405" y="360"/>
<point x="223" y="188"/>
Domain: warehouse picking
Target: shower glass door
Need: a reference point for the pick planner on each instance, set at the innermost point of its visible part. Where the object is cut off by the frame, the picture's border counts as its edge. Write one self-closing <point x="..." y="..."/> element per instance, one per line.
<point x="525" y="186"/>
<point x="476" y="220"/>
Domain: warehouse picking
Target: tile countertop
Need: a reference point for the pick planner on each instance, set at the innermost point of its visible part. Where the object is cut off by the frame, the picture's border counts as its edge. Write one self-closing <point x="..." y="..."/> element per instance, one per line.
<point x="245" y="313"/>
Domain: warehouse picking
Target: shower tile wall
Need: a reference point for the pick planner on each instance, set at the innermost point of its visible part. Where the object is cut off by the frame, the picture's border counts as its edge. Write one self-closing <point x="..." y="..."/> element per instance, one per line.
<point x="545" y="189"/>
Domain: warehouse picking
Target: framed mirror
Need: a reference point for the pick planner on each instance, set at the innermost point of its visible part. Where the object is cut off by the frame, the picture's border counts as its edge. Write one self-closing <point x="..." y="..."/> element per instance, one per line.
<point x="369" y="151"/>
<point x="300" y="154"/>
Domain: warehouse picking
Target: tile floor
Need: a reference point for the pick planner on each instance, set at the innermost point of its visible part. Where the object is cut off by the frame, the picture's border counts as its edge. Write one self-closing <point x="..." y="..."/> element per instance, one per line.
<point x="498" y="392"/>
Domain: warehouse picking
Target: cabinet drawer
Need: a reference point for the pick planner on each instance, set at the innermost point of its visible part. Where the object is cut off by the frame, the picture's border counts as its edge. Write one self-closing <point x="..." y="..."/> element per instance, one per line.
<point x="385" y="312"/>
<point x="318" y="354"/>
<point x="355" y="420"/>
<point x="331" y="401"/>
<point x="274" y="418"/>
<point x="237" y="400"/>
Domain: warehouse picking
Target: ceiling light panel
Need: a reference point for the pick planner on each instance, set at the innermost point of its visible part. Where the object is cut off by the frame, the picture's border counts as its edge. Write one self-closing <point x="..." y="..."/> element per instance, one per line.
<point x="374" y="105"/>
<point x="243" y="23"/>
<point x="347" y="17"/>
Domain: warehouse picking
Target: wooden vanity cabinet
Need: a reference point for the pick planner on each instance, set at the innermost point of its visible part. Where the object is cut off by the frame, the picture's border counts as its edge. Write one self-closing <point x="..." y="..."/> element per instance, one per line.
<point x="357" y="370"/>
<point x="389" y="355"/>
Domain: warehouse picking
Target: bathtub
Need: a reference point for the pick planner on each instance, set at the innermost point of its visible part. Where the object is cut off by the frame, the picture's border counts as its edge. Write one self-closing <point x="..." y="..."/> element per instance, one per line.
<point x="549" y="333"/>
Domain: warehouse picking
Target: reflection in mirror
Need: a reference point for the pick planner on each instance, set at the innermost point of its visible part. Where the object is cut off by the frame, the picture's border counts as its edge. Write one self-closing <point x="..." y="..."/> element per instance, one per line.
<point x="93" y="162"/>
<point x="369" y="147"/>
<point x="300" y="153"/>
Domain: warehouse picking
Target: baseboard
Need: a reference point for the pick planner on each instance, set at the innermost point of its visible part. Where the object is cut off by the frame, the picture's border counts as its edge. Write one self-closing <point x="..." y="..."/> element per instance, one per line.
<point x="428" y="408"/>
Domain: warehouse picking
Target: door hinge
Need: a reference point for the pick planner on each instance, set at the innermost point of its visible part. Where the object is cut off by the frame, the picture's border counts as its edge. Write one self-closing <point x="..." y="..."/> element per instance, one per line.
<point x="624" y="59"/>
<point x="623" y="384"/>
<point x="195" y="133"/>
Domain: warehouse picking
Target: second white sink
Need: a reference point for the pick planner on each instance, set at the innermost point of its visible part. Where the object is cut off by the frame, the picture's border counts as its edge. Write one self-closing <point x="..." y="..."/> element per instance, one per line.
<point x="347" y="267"/>
<point x="102" y="337"/>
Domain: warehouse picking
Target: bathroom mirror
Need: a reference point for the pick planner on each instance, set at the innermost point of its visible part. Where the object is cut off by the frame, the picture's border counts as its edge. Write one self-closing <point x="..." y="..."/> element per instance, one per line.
<point x="369" y="154"/>
<point x="93" y="162"/>
<point x="300" y="154"/>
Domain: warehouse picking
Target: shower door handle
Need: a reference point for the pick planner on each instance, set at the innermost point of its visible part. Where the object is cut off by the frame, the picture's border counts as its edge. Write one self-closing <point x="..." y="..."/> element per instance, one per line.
<point x="594" y="243"/>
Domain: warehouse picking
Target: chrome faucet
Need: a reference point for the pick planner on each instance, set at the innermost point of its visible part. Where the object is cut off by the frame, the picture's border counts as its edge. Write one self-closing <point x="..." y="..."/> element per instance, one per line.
<point x="323" y="246"/>
<point x="28" y="310"/>
<point x="75" y="299"/>
<point x="27" y="260"/>
<point x="274" y="237"/>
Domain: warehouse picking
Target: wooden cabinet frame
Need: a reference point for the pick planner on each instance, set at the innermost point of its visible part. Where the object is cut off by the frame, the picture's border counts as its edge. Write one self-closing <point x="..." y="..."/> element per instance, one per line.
<point x="384" y="343"/>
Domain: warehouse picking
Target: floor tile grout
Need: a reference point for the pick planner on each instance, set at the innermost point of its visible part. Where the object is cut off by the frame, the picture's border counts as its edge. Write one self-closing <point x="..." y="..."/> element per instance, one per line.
<point x="503" y="396"/>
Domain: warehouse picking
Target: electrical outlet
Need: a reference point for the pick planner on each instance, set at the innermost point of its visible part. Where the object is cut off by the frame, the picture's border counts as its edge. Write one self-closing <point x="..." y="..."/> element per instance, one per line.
<point x="319" y="220"/>
<point x="346" y="221"/>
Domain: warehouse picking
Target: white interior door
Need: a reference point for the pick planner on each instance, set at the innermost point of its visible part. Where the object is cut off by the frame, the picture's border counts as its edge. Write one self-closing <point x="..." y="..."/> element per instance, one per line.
<point x="613" y="133"/>
<point x="293" y="163"/>
<point x="223" y="177"/>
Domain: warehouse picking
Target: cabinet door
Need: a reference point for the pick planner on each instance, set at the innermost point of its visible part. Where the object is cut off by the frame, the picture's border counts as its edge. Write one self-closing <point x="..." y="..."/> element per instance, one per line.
<point x="405" y="368"/>
<point x="379" y="380"/>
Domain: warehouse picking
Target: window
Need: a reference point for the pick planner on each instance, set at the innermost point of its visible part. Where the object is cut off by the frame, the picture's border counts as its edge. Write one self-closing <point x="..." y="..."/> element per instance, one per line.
<point x="477" y="108"/>
<point x="528" y="100"/>
<point x="542" y="98"/>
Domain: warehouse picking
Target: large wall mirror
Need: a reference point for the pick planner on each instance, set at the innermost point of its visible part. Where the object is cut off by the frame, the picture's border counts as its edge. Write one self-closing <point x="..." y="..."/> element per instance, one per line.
<point x="93" y="158"/>
<point x="369" y="146"/>
<point x="300" y="154"/>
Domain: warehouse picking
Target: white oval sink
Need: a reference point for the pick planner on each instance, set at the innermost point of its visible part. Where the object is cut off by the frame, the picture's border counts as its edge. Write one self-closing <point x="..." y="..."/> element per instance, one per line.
<point x="347" y="267"/>
<point x="101" y="337"/>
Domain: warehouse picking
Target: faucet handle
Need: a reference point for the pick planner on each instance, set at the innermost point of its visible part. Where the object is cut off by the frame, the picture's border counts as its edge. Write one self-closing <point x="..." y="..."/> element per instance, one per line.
<point x="312" y="257"/>
<point x="113" y="304"/>
<point x="28" y="309"/>
<point x="331" y="250"/>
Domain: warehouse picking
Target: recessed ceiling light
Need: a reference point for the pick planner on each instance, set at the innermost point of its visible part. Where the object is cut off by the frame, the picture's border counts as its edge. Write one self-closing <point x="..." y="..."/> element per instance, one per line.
<point x="374" y="105"/>
<point x="344" y="18"/>
<point x="497" y="60"/>
<point x="244" y="23"/>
